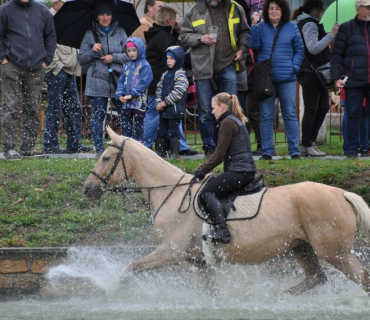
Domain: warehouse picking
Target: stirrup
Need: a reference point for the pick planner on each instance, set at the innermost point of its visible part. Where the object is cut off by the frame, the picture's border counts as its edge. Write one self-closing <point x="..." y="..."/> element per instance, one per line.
<point x="211" y="238"/>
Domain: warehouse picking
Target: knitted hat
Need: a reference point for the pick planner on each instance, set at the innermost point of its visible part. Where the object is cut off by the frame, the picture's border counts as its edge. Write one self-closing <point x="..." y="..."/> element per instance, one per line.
<point x="130" y="44"/>
<point x="103" y="8"/>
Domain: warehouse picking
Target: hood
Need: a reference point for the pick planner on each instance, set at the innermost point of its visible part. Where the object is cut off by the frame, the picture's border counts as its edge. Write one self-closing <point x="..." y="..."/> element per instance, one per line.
<point x="96" y="28"/>
<point x="304" y="16"/>
<point x="180" y="56"/>
<point x="154" y="30"/>
<point x="140" y="45"/>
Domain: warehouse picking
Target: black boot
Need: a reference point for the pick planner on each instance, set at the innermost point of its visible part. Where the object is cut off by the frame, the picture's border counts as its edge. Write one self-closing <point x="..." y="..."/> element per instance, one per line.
<point x="161" y="147"/>
<point x="216" y="212"/>
<point x="174" y="148"/>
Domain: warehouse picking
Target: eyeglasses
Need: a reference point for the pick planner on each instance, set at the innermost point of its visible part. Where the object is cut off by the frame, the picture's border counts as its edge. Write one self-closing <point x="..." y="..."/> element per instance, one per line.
<point x="131" y="50"/>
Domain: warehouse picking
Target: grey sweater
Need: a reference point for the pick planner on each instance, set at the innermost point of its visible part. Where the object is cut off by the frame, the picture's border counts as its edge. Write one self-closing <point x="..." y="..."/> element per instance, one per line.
<point x="311" y="36"/>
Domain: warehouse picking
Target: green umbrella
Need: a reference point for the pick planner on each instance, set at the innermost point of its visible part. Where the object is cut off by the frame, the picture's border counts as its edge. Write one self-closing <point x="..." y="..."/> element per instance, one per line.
<point x="346" y="11"/>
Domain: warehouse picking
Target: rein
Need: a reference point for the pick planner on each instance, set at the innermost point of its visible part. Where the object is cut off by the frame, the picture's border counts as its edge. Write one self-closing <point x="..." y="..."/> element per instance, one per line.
<point x="138" y="189"/>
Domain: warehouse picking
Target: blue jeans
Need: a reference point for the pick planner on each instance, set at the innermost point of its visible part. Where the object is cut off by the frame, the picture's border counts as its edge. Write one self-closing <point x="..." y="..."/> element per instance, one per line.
<point x="354" y="112"/>
<point x="151" y="126"/>
<point x="62" y="98"/>
<point x="169" y="128"/>
<point x="151" y="122"/>
<point x="286" y="91"/>
<point x="225" y="80"/>
<point x="99" y="106"/>
<point x="363" y="131"/>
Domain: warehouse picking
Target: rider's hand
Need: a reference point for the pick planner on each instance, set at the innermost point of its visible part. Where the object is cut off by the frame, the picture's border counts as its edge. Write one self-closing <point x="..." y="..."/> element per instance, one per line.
<point x="200" y="175"/>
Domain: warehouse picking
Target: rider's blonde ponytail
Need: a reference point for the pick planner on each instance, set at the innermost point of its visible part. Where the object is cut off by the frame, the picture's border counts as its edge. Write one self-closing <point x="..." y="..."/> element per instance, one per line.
<point x="232" y="103"/>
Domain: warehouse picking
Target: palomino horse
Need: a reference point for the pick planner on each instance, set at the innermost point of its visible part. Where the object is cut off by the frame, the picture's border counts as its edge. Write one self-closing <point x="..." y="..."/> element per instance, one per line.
<point x="311" y="219"/>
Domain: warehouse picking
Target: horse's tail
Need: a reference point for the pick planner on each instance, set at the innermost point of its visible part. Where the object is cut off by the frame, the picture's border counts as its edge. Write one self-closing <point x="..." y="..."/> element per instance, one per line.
<point x="362" y="212"/>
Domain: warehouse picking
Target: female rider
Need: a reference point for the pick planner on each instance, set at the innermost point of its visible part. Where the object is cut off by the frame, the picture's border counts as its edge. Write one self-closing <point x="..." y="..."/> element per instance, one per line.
<point x="234" y="150"/>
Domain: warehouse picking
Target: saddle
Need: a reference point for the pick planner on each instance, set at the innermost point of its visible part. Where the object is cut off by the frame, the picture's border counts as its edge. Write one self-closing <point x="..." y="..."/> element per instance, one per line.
<point x="236" y="200"/>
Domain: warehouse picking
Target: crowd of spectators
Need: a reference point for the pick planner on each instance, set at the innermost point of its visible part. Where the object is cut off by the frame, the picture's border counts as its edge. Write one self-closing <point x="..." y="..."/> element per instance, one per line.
<point x="223" y="62"/>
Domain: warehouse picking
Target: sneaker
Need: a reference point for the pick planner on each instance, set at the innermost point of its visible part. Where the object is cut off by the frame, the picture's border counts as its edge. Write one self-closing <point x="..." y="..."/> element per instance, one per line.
<point x="81" y="149"/>
<point x="314" y="145"/>
<point x="265" y="157"/>
<point x="364" y="153"/>
<point x="311" y="152"/>
<point x="32" y="153"/>
<point x="12" y="155"/>
<point x="209" y="153"/>
<point x="188" y="152"/>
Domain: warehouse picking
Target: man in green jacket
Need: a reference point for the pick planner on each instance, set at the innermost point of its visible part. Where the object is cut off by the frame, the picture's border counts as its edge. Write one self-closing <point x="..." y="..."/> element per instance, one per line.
<point x="215" y="60"/>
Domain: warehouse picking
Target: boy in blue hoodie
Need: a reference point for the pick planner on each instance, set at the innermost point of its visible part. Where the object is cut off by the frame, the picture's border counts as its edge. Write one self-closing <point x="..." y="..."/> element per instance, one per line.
<point x="170" y="101"/>
<point x="132" y="89"/>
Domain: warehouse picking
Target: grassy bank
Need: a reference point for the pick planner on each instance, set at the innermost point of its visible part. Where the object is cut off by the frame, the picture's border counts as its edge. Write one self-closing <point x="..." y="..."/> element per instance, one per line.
<point x="41" y="202"/>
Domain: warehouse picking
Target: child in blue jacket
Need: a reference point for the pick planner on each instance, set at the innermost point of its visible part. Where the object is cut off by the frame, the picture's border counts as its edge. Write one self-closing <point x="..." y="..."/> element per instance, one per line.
<point x="170" y="101"/>
<point x="132" y="89"/>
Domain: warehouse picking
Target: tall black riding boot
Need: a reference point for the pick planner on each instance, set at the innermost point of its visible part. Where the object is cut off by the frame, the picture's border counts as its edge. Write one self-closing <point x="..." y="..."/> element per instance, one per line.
<point x="216" y="212"/>
<point x="161" y="147"/>
<point x="174" y="148"/>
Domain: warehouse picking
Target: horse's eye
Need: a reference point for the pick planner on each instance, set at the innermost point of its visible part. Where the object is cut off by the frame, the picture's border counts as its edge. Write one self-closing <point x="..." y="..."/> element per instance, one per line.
<point x="106" y="158"/>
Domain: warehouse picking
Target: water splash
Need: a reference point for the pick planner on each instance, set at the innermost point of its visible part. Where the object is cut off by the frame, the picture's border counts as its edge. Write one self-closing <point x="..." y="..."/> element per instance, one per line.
<point x="239" y="292"/>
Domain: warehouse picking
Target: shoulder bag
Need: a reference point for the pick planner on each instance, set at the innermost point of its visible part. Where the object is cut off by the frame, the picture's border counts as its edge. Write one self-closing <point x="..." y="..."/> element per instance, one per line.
<point x="262" y="85"/>
<point x="323" y="74"/>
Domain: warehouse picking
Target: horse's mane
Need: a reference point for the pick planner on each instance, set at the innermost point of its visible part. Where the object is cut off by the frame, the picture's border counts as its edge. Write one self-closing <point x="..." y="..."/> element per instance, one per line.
<point x="146" y="150"/>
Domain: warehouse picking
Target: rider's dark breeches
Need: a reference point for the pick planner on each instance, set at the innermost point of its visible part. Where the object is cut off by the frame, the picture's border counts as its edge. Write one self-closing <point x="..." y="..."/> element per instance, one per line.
<point x="222" y="185"/>
<point x="228" y="182"/>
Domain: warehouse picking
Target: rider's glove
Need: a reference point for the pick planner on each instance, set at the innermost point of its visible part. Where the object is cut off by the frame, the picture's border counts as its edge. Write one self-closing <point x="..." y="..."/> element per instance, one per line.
<point x="200" y="175"/>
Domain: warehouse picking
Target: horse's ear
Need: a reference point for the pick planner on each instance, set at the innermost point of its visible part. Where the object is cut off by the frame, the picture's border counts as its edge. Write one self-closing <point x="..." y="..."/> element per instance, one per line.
<point x="114" y="136"/>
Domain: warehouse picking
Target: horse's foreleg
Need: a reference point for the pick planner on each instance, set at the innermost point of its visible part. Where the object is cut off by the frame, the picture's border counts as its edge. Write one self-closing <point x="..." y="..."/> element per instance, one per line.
<point x="309" y="262"/>
<point x="162" y="256"/>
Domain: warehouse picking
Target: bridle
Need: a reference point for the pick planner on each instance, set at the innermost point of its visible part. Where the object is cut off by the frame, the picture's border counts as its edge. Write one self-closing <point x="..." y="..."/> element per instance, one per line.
<point x="115" y="164"/>
<point x="119" y="157"/>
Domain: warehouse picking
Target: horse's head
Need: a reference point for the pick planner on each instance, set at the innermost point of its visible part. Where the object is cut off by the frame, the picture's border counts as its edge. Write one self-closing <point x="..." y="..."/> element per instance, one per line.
<point x="109" y="170"/>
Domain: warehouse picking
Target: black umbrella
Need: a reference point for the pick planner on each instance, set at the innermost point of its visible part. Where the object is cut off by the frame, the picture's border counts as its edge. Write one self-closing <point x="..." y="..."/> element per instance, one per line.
<point x="76" y="17"/>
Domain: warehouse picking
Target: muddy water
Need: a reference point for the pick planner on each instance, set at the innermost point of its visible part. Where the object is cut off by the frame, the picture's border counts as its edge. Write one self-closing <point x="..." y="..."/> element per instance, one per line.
<point x="88" y="287"/>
